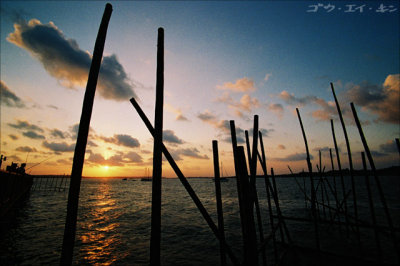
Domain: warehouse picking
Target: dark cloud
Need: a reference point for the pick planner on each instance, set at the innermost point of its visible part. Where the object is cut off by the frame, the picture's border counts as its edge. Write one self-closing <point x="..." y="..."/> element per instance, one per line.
<point x="59" y="147"/>
<point x="276" y="108"/>
<point x="92" y="144"/>
<point x="33" y="135"/>
<point x="378" y="154"/>
<point x="25" y="125"/>
<point x="9" y="98"/>
<point x="206" y="116"/>
<point x="58" y="133"/>
<point x="388" y="147"/>
<point x="188" y="152"/>
<point x="294" y="157"/>
<point x="119" y="159"/>
<point x="26" y="149"/>
<point x="122" y="140"/>
<point x="52" y="106"/>
<point x="13" y="137"/>
<point x="169" y="136"/>
<point x="264" y="132"/>
<point x="381" y="100"/>
<point x="63" y="59"/>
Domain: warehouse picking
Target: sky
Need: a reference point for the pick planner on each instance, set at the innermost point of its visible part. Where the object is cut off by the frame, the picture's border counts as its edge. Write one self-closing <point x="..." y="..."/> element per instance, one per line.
<point x="223" y="61"/>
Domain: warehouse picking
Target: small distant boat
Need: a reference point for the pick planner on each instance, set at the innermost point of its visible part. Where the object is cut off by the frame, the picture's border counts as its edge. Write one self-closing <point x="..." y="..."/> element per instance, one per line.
<point x="125" y="179"/>
<point x="147" y="178"/>
<point x="222" y="178"/>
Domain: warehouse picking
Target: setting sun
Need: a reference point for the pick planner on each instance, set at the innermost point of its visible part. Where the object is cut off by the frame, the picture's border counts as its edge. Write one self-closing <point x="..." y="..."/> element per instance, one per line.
<point x="106" y="167"/>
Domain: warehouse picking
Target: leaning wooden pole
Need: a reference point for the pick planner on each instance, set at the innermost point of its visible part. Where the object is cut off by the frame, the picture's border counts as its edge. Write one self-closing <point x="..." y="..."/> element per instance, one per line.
<point x="155" y="238"/>
<point x="80" y="148"/>
<point x="263" y="162"/>
<point x="219" y="202"/>
<point x="313" y="196"/>
<point x="185" y="183"/>
<point x="353" y="187"/>
<point x="377" y="181"/>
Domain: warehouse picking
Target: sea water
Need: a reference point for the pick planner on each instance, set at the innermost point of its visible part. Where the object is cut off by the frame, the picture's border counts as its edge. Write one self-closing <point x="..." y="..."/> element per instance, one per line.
<point x="114" y="222"/>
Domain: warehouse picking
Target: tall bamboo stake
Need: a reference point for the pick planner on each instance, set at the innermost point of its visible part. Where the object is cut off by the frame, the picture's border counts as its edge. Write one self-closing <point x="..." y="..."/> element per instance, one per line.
<point x="341" y="179"/>
<point x="185" y="183"/>
<point x="238" y="181"/>
<point x="219" y="202"/>
<point x="313" y="199"/>
<point x="263" y="162"/>
<point x="250" y="236"/>
<point x="80" y="147"/>
<point x="246" y="133"/>
<point x="353" y="187"/>
<point x="377" y="181"/>
<point x="372" y="208"/>
<point x="155" y="238"/>
<point x="253" y="172"/>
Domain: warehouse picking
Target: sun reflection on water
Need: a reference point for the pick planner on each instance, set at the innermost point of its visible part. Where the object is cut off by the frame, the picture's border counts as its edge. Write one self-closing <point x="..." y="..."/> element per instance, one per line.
<point x="99" y="239"/>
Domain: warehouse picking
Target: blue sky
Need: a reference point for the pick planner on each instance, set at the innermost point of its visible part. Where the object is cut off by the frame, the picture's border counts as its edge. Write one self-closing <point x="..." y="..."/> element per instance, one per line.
<point x="223" y="61"/>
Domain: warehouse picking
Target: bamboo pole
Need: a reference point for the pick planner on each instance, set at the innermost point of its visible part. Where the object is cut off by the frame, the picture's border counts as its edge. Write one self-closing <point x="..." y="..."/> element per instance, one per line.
<point x="246" y="133"/>
<point x="80" y="147"/>
<point x="341" y="179"/>
<point x="185" y="183"/>
<point x="263" y="162"/>
<point x="313" y="199"/>
<point x="372" y="208"/>
<point x="219" y="202"/>
<point x="353" y="187"/>
<point x="253" y="172"/>
<point x="377" y="181"/>
<point x="238" y="181"/>
<point x="155" y="239"/>
<point x="250" y="236"/>
<point x="398" y="144"/>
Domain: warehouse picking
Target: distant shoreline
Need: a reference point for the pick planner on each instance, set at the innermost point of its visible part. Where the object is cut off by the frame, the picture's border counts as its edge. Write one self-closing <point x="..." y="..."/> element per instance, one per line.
<point x="389" y="171"/>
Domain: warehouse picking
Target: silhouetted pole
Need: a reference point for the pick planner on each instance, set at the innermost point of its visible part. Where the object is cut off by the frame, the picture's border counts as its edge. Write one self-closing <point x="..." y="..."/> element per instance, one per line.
<point x="80" y="148"/>
<point x="185" y="183"/>
<point x="377" y="181"/>
<point x="341" y="179"/>
<point x="219" y="202"/>
<point x="155" y="238"/>
<point x="398" y="144"/>
<point x="246" y="133"/>
<point x="263" y="162"/>
<point x="353" y="187"/>
<point x="313" y="209"/>
<point x="238" y="181"/>
<point x="372" y="208"/>
<point x="250" y="236"/>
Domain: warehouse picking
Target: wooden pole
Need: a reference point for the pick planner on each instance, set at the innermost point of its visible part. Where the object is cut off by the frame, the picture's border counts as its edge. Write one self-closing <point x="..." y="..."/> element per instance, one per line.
<point x="353" y="187"/>
<point x="398" y="144"/>
<point x="377" y="181"/>
<point x="250" y="236"/>
<point x="263" y="162"/>
<point x="246" y="133"/>
<point x="80" y="147"/>
<point x="238" y="181"/>
<point x="185" y="183"/>
<point x="372" y="208"/>
<point x="253" y="186"/>
<point x="219" y="202"/>
<point x="155" y="238"/>
<point x="313" y="198"/>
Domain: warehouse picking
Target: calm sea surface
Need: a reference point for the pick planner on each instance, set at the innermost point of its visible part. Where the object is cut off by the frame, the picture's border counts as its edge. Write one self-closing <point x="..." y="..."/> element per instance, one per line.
<point x="114" y="222"/>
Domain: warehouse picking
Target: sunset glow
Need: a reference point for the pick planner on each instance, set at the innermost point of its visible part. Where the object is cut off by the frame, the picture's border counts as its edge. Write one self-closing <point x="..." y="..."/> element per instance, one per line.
<point x="223" y="61"/>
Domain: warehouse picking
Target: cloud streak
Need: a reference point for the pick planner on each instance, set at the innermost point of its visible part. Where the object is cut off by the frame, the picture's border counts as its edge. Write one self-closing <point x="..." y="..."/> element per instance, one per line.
<point x="241" y="85"/>
<point x="9" y="98"/>
<point x="64" y="60"/>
